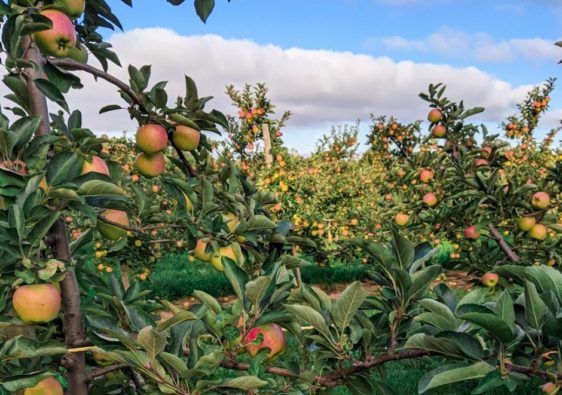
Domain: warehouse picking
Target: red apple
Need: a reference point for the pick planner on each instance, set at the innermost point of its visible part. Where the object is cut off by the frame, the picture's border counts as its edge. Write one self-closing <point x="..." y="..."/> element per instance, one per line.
<point x="490" y="279"/>
<point x="435" y="116"/>
<point x="439" y="131"/>
<point x="540" y="200"/>
<point x="37" y="303"/>
<point x="48" y="386"/>
<point x="97" y="165"/>
<point x="426" y="175"/>
<point x="151" y="138"/>
<point x="60" y="38"/>
<point x="471" y="233"/>
<point x="186" y="138"/>
<point x="150" y="165"/>
<point x="401" y="219"/>
<point x="429" y="199"/>
<point x="266" y="336"/>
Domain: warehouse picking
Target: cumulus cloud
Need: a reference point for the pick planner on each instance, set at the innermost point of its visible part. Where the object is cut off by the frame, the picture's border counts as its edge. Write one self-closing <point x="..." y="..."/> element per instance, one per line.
<point x="481" y="47"/>
<point x="320" y="87"/>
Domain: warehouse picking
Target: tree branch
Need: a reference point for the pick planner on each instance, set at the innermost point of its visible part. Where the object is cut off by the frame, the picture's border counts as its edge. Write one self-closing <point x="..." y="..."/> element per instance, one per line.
<point x="513" y="257"/>
<point x="336" y="377"/>
<point x="37" y="100"/>
<point x="103" y="371"/>
<point x="70" y="64"/>
<point x="70" y="294"/>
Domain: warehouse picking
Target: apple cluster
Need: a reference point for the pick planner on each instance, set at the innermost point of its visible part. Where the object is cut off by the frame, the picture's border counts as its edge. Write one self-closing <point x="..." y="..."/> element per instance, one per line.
<point x="540" y="200"/>
<point x="435" y="116"/>
<point x="60" y="39"/>
<point x="152" y="139"/>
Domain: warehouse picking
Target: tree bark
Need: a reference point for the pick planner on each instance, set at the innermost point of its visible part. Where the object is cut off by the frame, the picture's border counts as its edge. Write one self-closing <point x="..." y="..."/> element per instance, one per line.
<point x="511" y="255"/>
<point x="72" y="322"/>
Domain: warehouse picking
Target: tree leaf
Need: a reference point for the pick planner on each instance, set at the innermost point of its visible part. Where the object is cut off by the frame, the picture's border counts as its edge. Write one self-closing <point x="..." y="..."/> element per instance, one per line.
<point x="208" y="300"/>
<point x="204" y="8"/>
<point x="52" y="92"/>
<point x="244" y="383"/>
<point x="447" y="375"/>
<point x="310" y="316"/>
<point x="152" y="341"/>
<point x="99" y="188"/>
<point x="535" y="308"/>
<point x="347" y="304"/>
<point x="255" y="289"/>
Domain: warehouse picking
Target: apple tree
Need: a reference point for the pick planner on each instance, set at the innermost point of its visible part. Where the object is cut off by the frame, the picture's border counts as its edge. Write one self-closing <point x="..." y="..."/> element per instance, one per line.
<point x="62" y="325"/>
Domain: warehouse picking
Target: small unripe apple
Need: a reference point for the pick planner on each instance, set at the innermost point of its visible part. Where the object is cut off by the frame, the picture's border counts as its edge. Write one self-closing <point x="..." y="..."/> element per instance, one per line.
<point x="186" y="138"/>
<point x="490" y="279"/>
<point x="526" y="223"/>
<point x="60" y="38"/>
<point x="538" y="232"/>
<point x="48" y="386"/>
<point x="37" y="303"/>
<point x="151" y="138"/>
<point x="439" y="131"/>
<point x="150" y="165"/>
<point x="429" y="199"/>
<point x="540" y="200"/>
<point x="471" y="233"/>
<point x="435" y="116"/>
<point x="401" y="219"/>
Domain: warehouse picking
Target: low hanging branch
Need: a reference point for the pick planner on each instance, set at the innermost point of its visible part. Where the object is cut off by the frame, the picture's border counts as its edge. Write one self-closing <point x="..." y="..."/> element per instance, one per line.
<point x="74" y="65"/>
<point x="511" y="255"/>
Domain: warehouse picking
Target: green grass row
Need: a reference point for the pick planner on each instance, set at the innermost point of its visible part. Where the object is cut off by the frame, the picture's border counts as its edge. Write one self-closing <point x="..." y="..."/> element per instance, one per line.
<point x="174" y="277"/>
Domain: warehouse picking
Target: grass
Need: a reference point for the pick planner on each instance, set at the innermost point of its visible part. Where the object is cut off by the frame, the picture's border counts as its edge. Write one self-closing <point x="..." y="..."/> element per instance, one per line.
<point x="174" y="277"/>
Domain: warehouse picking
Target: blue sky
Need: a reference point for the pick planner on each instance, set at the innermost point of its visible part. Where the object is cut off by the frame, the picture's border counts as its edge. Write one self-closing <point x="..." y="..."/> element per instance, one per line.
<point x="506" y="45"/>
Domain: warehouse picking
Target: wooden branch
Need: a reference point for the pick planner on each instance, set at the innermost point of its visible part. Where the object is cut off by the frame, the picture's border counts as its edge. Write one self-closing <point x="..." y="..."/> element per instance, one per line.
<point x="103" y="371"/>
<point x="118" y="225"/>
<point x="70" y="64"/>
<point x="191" y="172"/>
<point x="37" y="100"/>
<point x="512" y="256"/>
<point x="70" y="294"/>
<point x="337" y="377"/>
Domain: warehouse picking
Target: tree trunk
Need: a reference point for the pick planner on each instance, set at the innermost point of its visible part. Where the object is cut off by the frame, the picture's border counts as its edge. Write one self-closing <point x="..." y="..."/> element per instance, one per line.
<point x="74" y="334"/>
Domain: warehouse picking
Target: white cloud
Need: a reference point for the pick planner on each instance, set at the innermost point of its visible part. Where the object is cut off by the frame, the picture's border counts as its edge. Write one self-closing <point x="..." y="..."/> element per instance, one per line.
<point x="320" y="87"/>
<point x="481" y="47"/>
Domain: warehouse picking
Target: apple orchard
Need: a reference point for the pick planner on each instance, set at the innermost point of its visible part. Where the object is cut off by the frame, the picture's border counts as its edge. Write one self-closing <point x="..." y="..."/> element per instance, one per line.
<point x="84" y="221"/>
